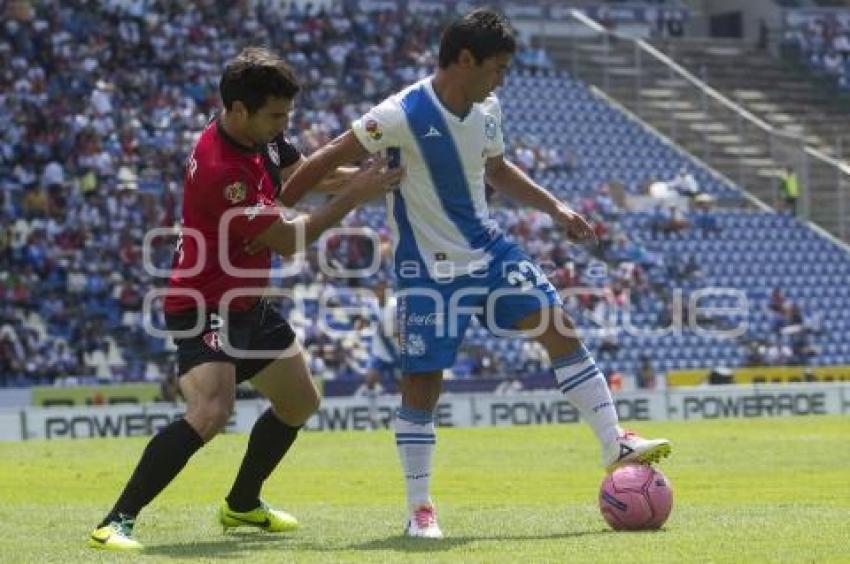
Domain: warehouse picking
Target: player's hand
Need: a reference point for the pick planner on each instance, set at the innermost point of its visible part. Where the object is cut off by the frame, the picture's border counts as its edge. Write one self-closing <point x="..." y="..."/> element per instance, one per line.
<point x="577" y="228"/>
<point x="374" y="180"/>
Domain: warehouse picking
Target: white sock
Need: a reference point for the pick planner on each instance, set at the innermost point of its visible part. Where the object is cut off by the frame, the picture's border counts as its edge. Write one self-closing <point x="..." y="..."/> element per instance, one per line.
<point x="415" y="438"/>
<point x="586" y="388"/>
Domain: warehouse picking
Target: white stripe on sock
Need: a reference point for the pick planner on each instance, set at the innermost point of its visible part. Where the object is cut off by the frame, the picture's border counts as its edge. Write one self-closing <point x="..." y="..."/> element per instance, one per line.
<point x="415" y="444"/>
<point x="591" y="397"/>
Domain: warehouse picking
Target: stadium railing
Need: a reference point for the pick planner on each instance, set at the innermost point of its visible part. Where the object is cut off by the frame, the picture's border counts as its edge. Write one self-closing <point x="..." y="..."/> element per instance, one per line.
<point x="714" y="127"/>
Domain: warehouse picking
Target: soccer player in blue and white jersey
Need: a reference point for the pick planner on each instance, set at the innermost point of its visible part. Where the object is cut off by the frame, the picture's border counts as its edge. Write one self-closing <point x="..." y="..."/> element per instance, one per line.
<point x="451" y="260"/>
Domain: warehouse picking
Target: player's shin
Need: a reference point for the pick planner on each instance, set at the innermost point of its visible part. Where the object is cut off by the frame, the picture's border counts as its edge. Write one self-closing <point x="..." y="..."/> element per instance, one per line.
<point x="584" y="385"/>
<point x="415" y="439"/>
<point x="164" y="457"/>
<point x="269" y="442"/>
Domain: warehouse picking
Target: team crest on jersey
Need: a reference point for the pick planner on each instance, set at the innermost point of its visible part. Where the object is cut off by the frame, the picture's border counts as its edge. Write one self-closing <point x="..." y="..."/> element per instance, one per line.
<point x="414" y="345"/>
<point x="373" y="130"/>
<point x="235" y="193"/>
<point x="274" y="155"/>
<point x="490" y="128"/>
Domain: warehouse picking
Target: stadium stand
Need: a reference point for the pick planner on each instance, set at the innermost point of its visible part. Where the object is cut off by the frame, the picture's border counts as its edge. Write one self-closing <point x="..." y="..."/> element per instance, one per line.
<point x="821" y="40"/>
<point x="697" y="116"/>
<point x="745" y="249"/>
<point x="768" y="87"/>
<point x="102" y="106"/>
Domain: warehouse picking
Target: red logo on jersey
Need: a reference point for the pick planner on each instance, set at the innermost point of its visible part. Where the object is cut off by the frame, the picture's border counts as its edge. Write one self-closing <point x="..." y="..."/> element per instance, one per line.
<point x="373" y="130"/>
<point x="235" y="193"/>
<point x="212" y="340"/>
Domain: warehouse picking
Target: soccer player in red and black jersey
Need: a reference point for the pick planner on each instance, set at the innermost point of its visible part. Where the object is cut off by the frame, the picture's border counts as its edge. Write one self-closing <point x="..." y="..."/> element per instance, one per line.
<point x="214" y="305"/>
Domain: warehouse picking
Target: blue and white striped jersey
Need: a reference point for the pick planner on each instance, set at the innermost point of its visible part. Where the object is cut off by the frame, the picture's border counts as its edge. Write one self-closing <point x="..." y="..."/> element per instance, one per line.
<point x="439" y="217"/>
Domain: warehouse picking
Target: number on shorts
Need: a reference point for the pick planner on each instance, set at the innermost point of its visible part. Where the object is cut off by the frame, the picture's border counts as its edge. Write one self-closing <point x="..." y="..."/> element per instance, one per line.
<point x="527" y="276"/>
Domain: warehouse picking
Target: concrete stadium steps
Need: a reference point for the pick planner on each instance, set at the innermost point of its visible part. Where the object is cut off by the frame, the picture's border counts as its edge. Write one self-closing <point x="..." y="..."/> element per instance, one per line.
<point x="768" y="88"/>
<point x="716" y="135"/>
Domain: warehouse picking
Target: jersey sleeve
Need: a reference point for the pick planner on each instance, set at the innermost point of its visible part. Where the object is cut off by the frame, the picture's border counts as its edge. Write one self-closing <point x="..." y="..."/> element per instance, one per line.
<point x="288" y="152"/>
<point x="380" y="127"/>
<point x="495" y="142"/>
<point x="233" y="200"/>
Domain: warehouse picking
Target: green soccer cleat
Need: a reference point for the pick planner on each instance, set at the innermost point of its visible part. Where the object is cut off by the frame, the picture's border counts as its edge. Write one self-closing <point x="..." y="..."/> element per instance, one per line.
<point x="263" y="517"/>
<point x="115" y="535"/>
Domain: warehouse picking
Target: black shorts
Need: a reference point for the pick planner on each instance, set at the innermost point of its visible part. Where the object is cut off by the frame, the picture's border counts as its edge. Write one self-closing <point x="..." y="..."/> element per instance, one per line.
<point x="258" y="329"/>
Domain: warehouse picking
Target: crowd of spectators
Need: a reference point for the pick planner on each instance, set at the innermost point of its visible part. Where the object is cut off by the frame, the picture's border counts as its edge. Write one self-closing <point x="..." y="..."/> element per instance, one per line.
<point x="791" y="338"/>
<point x="823" y="43"/>
<point x="101" y="103"/>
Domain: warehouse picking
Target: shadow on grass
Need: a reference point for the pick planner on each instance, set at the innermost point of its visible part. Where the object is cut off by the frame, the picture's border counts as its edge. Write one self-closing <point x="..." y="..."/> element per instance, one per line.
<point x="241" y="544"/>
<point x="234" y="544"/>
<point x="405" y="544"/>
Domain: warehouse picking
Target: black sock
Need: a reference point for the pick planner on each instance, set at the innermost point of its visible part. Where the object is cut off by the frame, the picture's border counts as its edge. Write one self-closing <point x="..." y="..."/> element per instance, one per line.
<point x="270" y="439"/>
<point x="164" y="457"/>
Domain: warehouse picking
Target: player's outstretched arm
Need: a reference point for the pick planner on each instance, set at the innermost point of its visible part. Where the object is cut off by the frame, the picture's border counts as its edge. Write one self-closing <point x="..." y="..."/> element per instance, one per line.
<point x="343" y="150"/>
<point x="332" y="183"/>
<point x="337" y="180"/>
<point x="506" y="178"/>
<point x="290" y="237"/>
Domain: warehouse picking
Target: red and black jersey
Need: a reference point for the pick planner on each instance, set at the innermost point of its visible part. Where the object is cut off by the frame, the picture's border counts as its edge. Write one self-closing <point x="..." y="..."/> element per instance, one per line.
<point x="223" y="175"/>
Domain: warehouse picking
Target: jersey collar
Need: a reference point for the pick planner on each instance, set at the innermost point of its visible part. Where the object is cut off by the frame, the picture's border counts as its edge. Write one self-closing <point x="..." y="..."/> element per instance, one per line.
<point x="430" y="87"/>
<point x="233" y="142"/>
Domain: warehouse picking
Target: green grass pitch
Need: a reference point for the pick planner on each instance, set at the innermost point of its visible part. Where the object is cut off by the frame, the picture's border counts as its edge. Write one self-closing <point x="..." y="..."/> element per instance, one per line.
<point x="766" y="490"/>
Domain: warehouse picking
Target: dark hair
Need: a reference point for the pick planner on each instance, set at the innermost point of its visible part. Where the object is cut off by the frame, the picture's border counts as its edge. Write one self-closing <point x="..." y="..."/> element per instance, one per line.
<point x="254" y="75"/>
<point x="483" y="32"/>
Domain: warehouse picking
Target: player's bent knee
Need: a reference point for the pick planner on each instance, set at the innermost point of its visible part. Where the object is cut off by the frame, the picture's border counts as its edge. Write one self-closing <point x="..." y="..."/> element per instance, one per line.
<point x="297" y="415"/>
<point x="311" y="402"/>
<point x="208" y="421"/>
<point x="312" y="405"/>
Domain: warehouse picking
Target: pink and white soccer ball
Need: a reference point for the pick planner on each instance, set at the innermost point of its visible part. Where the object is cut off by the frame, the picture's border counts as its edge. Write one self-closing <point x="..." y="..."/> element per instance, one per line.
<point x="635" y="497"/>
